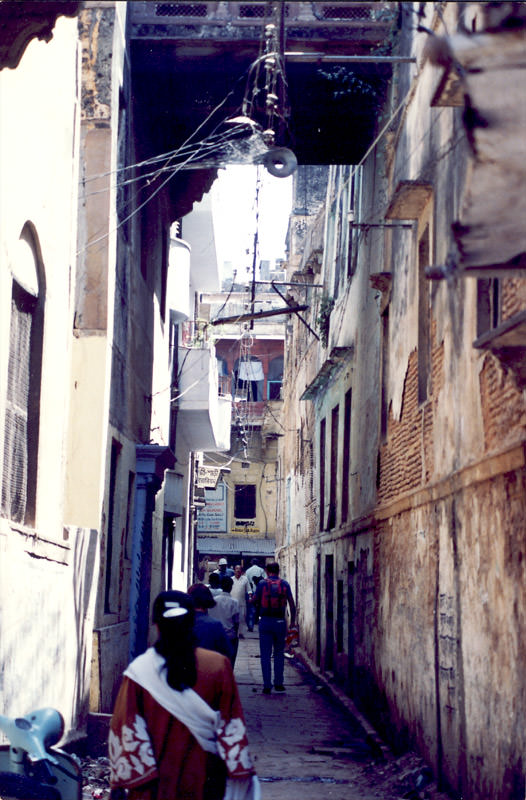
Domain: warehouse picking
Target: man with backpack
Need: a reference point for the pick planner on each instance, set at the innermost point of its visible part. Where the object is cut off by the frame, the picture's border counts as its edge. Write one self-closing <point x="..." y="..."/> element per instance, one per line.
<point x="272" y="595"/>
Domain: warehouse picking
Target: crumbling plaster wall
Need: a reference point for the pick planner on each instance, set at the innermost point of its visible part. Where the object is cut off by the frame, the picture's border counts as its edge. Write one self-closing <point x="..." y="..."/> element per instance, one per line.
<point x="449" y="545"/>
<point x="448" y="632"/>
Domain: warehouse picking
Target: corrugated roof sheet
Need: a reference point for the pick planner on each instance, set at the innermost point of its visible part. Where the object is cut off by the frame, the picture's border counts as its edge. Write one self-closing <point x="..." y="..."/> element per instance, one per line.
<point x="249" y="545"/>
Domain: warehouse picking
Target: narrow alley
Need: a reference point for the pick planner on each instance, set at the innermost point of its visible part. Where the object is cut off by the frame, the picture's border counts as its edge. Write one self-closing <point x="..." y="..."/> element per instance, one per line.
<point x="348" y="403"/>
<point x="307" y="743"/>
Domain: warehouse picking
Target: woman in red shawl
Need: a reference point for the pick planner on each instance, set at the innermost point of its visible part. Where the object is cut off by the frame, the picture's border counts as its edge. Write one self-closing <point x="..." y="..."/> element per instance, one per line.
<point x="177" y="730"/>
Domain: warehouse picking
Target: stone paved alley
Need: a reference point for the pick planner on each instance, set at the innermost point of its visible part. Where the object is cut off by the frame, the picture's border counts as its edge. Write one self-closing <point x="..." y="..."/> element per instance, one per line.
<point x="306" y="743"/>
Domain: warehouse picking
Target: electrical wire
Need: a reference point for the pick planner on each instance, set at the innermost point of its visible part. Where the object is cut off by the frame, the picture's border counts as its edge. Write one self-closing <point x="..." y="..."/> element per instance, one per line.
<point x="228" y="296"/>
<point x="206" y="146"/>
<point x="198" y="145"/>
<point x="162" y="156"/>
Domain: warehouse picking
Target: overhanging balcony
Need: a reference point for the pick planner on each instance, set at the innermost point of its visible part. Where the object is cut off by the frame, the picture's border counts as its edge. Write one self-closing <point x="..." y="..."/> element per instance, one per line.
<point x="203" y="416"/>
<point x="202" y="53"/>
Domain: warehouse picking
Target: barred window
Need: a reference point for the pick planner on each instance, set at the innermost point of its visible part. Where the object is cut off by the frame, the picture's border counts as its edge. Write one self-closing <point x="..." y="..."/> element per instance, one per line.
<point x="17" y="422"/>
<point x="21" y="424"/>
<point x="181" y="9"/>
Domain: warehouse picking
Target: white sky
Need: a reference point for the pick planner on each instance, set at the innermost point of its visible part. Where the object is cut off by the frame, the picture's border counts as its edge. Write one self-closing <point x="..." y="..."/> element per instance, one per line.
<point x="233" y="203"/>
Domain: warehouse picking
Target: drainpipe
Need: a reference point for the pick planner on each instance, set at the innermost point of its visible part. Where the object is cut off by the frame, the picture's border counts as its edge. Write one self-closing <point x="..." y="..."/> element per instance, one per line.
<point x="151" y="462"/>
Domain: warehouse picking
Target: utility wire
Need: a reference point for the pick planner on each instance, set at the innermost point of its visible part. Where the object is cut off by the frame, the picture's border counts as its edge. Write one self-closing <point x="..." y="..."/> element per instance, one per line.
<point x="166" y="164"/>
<point x="206" y="146"/>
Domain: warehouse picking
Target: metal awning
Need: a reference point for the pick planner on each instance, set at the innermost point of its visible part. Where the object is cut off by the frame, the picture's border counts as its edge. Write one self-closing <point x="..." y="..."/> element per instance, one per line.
<point x="248" y="545"/>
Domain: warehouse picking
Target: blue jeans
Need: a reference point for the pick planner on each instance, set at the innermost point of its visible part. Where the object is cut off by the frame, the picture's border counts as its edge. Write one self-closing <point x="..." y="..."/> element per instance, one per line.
<point x="251" y="616"/>
<point x="272" y="633"/>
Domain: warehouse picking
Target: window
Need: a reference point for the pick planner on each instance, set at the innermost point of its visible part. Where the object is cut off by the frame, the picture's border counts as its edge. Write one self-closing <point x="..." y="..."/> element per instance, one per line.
<point x="22" y="415"/>
<point x="488" y="304"/>
<point x="275" y="378"/>
<point x="115" y="452"/>
<point x="335" y="421"/>
<point x="329" y="612"/>
<point x="354" y="219"/>
<point x="248" y="379"/>
<point x="245" y="501"/>
<point x="384" y="401"/>
<point x="322" y="475"/>
<point x="346" y="455"/>
<point x="129" y="505"/>
<point x="338" y="233"/>
<point x="223" y="377"/>
<point x="424" y="318"/>
<point x="339" y="616"/>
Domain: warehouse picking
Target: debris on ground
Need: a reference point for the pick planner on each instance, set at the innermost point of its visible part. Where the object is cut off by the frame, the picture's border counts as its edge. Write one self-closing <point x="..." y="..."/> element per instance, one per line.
<point x="95" y="778"/>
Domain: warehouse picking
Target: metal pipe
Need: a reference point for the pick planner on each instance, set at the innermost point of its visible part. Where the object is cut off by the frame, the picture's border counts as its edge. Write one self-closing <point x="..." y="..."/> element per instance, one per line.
<point x="292" y="283"/>
<point x="296" y="309"/>
<point x="380" y="224"/>
<point x="305" y="56"/>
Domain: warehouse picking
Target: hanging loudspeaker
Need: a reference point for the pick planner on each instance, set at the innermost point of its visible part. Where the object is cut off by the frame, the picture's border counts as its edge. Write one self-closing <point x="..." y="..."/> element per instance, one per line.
<point x="280" y="162"/>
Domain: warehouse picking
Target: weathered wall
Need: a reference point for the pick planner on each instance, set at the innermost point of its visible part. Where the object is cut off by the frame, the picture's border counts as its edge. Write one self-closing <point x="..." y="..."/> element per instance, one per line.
<point x="47" y="611"/>
<point x="427" y="574"/>
<point x="48" y="570"/>
<point x="120" y="387"/>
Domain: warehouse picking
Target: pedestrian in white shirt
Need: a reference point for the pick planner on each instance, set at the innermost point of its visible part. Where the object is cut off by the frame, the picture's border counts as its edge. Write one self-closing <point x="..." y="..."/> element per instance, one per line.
<point x="240" y="590"/>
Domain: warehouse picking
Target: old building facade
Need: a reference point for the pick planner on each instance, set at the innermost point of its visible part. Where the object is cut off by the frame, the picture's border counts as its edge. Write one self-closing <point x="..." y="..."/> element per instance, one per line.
<point x="240" y="515"/>
<point x="95" y="286"/>
<point x="403" y="488"/>
<point x="48" y="556"/>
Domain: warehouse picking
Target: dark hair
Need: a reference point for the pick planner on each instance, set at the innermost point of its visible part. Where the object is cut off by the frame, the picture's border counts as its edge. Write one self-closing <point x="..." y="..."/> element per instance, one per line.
<point x="226" y="584"/>
<point x="201" y="595"/>
<point x="214" y="580"/>
<point x="272" y="568"/>
<point x="174" y="615"/>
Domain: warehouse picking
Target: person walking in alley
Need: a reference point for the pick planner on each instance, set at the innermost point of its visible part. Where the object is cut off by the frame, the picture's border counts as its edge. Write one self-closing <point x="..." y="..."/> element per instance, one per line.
<point x="209" y="632"/>
<point x="226" y="610"/>
<point x="254" y="574"/>
<point x="214" y="583"/>
<point x="178" y="729"/>
<point x="223" y="569"/>
<point x="240" y="590"/>
<point x="272" y="595"/>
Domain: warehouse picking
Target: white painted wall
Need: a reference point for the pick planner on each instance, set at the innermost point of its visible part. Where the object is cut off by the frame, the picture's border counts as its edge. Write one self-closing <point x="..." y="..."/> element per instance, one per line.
<point x="47" y="574"/>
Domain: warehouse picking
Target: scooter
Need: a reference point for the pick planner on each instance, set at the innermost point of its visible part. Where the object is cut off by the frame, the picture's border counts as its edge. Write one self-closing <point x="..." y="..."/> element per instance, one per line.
<point x="30" y="767"/>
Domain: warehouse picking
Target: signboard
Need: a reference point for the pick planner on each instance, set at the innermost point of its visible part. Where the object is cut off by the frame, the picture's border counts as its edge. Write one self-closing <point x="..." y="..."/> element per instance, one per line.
<point x="245" y="526"/>
<point x="207" y="477"/>
<point x="212" y="518"/>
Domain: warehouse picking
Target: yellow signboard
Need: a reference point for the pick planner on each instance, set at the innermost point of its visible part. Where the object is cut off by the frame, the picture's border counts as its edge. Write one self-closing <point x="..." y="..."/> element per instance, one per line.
<point x="245" y="526"/>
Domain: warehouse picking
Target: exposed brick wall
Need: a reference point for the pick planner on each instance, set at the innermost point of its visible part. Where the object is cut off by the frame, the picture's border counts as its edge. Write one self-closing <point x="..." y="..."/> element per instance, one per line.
<point x="513" y="296"/>
<point x="401" y="455"/>
<point x="503" y="411"/>
<point x="406" y="458"/>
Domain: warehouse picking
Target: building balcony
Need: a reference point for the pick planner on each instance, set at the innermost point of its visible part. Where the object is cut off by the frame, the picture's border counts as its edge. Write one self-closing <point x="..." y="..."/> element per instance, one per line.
<point x="193" y="50"/>
<point x="204" y="416"/>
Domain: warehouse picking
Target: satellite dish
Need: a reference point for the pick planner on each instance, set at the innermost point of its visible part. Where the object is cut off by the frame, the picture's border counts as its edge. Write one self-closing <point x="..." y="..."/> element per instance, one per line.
<point x="280" y="162"/>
